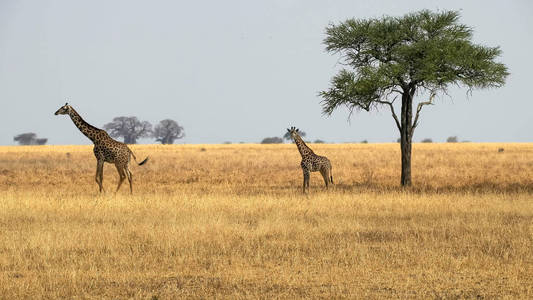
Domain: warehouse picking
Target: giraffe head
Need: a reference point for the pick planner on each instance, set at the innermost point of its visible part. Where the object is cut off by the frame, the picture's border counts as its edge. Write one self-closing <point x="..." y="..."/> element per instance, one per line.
<point x="294" y="132"/>
<point x="63" y="110"/>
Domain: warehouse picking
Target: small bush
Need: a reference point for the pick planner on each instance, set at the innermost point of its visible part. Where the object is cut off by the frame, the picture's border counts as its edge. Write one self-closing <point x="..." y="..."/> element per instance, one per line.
<point x="451" y="139"/>
<point x="272" y="140"/>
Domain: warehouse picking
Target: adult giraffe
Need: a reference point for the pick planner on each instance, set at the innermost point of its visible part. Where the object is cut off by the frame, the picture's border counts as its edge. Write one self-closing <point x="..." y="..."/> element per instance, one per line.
<point x="105" y="148"/>
<point x="310" y="161"/>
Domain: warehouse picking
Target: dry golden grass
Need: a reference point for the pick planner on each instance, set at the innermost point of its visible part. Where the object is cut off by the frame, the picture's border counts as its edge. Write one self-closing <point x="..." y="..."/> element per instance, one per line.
<point x="229" y="221"/>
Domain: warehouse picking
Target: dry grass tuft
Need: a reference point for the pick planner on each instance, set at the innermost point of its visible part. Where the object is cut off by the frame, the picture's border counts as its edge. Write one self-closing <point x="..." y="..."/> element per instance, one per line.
<point x="229" y="221"/>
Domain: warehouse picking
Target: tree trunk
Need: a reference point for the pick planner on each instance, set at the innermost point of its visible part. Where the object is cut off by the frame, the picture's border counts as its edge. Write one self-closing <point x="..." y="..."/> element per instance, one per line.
<point x="406" y="137"/>
<point x="406" y="161"/>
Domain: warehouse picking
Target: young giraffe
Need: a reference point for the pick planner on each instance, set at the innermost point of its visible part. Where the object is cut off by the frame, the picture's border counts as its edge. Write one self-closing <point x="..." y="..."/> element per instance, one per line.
<point x="310" y="161"/>
<point x="105" y="148"/>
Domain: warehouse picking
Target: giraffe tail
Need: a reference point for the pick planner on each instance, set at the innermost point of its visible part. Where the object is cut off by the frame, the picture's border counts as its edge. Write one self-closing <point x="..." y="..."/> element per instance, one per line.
<point x="143" y="162"/>
<point x="135" y="158"/>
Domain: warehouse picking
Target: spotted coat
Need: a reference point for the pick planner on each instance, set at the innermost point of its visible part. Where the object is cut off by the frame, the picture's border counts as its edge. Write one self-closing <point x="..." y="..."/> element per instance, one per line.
<point x="310" y="161"/>
<point x="105" y="149"/>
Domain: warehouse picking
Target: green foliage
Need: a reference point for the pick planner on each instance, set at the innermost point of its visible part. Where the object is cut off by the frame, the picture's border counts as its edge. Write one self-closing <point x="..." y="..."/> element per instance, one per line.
<point x="422" y="50"/>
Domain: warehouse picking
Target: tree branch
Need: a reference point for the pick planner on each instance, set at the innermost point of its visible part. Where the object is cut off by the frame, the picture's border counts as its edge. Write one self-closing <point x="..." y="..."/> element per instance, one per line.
<point x="418" y="109"/>
<point x="392" y="111"/>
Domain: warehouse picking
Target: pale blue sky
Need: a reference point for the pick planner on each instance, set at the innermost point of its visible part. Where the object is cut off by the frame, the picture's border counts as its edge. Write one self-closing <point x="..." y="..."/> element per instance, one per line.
<point x="232" y="70"/>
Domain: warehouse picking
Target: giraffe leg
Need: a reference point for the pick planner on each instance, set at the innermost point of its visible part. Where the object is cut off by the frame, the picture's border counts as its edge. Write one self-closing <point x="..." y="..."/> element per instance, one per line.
<point x="121" y="175"/>
<point x="325" y="175"/>
<point x="306" y="180"/>
<point x="100" y="174"/>
<point x="130" y="179"/>
<point x="96" y="175"/>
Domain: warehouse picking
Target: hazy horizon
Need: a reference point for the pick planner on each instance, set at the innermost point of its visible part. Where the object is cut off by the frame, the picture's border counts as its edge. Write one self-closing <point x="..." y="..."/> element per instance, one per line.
<point x="233" y="71"/>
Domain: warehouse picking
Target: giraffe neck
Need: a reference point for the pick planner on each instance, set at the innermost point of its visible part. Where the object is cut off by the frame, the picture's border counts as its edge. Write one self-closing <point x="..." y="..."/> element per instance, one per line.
<point x="302" y="147"/>
<point x="87" y="129"/>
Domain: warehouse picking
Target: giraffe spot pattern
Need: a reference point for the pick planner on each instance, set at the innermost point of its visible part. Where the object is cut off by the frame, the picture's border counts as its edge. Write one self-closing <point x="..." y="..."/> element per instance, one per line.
<point x="311" y="162"/>
<point x="105" y="148"/>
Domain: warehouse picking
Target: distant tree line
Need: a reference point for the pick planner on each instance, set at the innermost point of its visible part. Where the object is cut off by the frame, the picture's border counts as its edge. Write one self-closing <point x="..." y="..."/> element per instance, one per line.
<point x="287" y="137"/>
<point x="450" y="139"/>
<point x="131" y="129"/>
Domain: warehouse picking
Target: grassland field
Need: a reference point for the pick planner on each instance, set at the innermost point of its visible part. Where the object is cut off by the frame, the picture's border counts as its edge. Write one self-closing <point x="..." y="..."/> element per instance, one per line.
<point x="230" y="221"/>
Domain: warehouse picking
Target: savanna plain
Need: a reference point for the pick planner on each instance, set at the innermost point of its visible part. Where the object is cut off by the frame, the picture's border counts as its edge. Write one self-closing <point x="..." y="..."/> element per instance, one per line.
<point x="230" y="221"/>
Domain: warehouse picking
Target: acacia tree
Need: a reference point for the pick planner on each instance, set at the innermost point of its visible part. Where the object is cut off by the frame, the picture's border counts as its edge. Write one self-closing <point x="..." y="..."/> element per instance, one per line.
<point x="167" y="131"/>
<point x="29" y="138"/>
<point x="25" y="138"/>
<point x="128" y="127"/>
<point x="401" y="57"/>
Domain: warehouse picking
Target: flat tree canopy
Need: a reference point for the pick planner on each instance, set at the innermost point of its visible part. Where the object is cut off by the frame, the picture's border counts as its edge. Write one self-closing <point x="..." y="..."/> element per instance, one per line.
<point x="392" y="58"/>
<point x="29" y="138"/>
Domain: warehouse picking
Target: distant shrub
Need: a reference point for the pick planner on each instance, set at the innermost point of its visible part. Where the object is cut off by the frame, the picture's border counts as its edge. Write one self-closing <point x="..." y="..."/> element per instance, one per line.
<point x="319" y="142"/>
<point x="364" y="142"/>
<point x="41" y="141"/>
<point x="272" y="140"/>
<point x="451" y="139"/>
<point x="427" y="140"/>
